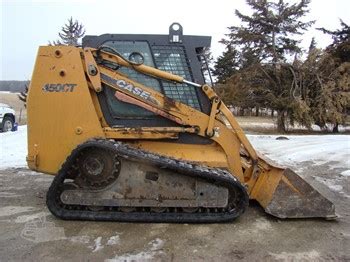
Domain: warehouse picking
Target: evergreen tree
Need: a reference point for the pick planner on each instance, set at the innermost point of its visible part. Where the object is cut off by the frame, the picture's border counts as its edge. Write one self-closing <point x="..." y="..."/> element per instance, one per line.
<point x="324" y="81"/>
<point x="312" y="45"/>
<point x="226" y="65"/>
<point x="206" y="60"/>
<point x="333" y="101"/>
<point x="270" y="29"/>
<point x="340" y="35"/>
<point x="340" y="48"/>
<point x="70" y="33"/>
<point x="269" y="35"/>
<point x="308" y="91"/>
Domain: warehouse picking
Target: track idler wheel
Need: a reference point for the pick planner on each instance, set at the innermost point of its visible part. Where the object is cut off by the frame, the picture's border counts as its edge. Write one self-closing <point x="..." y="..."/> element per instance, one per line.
<point x="97" y="168"/>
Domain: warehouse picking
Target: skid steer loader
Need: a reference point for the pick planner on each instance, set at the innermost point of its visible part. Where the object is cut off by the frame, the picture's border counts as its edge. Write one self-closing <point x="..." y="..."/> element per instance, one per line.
<point x="131" y="132"/>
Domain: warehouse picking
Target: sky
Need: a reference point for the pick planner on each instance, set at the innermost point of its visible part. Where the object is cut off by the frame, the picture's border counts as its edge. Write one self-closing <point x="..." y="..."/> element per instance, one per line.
<point x="25" y="25"/>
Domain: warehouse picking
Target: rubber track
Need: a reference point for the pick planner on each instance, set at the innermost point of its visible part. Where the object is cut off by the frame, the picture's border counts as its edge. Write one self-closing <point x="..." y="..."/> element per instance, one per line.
<point x="213" y="175"/>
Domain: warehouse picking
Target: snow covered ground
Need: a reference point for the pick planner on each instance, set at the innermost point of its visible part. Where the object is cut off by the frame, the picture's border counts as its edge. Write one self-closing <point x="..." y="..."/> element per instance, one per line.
<point x="13" y="148"/>
<point x="272" y="126"/>
<point x="320" y="149"/>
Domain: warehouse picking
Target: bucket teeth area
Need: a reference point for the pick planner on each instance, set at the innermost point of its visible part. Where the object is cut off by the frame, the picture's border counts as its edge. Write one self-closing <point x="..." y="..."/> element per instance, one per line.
<point x="295" y="198"/>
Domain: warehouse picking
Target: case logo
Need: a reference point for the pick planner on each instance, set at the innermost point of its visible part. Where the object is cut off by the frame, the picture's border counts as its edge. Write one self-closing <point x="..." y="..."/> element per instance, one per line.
<point x="59" y="87"/>
<point x="133" y="89"/>
<point x="138" y="91"/>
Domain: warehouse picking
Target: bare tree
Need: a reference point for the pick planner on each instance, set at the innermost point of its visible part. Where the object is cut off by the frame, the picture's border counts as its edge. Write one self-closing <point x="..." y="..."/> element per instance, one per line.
<point x="23" y="95"/>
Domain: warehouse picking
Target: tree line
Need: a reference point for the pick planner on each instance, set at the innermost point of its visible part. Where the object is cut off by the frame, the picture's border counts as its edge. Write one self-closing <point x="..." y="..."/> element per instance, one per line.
<point x="263" y="66"/>
<point x="13" y="86"/>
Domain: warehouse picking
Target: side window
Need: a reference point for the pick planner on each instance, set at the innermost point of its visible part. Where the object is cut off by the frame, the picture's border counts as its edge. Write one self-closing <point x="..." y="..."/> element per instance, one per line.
<point x="118" y="108"/>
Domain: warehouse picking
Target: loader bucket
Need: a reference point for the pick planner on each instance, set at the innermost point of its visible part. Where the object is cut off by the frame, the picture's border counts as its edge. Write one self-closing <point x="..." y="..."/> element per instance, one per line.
<point x="284" y="194"/>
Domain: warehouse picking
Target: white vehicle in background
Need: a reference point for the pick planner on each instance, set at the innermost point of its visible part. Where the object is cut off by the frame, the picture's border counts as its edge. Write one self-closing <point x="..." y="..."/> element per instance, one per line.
<point x="7" y="118"/>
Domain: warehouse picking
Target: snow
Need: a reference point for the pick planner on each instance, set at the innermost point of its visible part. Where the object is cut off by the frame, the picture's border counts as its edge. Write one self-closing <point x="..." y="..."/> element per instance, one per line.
<point x="97" y="245"/>
<point x="9" y="92"/>
<point x="80" y="239"/>
<point x="262" y="224"/>
<point x="27" y="218"/>
<point x="113" y="240"/>
<point x="153" y="248"/>
<point x="312" y="255"/>
<point x="12" y="210"/>
<point x="272" y="126"/>
<point x="4" y="105"/>
<point x="316" y="128"/>
<point x="13" y="148"/>
<point x="330" y="183"/>
<point x="331" y="149"/>
<point x="345" y="173"/>
<point x="260" y="125"/>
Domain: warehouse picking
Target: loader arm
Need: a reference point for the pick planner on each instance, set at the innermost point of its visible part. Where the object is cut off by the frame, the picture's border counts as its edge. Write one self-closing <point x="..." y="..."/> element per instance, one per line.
<point x="220" y="107"/>
<point x="262" y="178"/>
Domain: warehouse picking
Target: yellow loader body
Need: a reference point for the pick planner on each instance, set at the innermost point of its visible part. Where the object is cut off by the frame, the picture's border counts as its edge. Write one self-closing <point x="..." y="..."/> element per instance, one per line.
<point x="64" y="112"/>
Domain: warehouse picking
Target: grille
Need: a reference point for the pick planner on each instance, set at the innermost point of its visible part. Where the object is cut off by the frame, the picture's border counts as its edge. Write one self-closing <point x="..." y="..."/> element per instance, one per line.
<point x="173" y="59"/>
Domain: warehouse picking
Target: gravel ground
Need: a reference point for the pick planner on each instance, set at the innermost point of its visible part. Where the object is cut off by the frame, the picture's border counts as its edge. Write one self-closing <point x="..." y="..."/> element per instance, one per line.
<point x="29" y="232"/>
